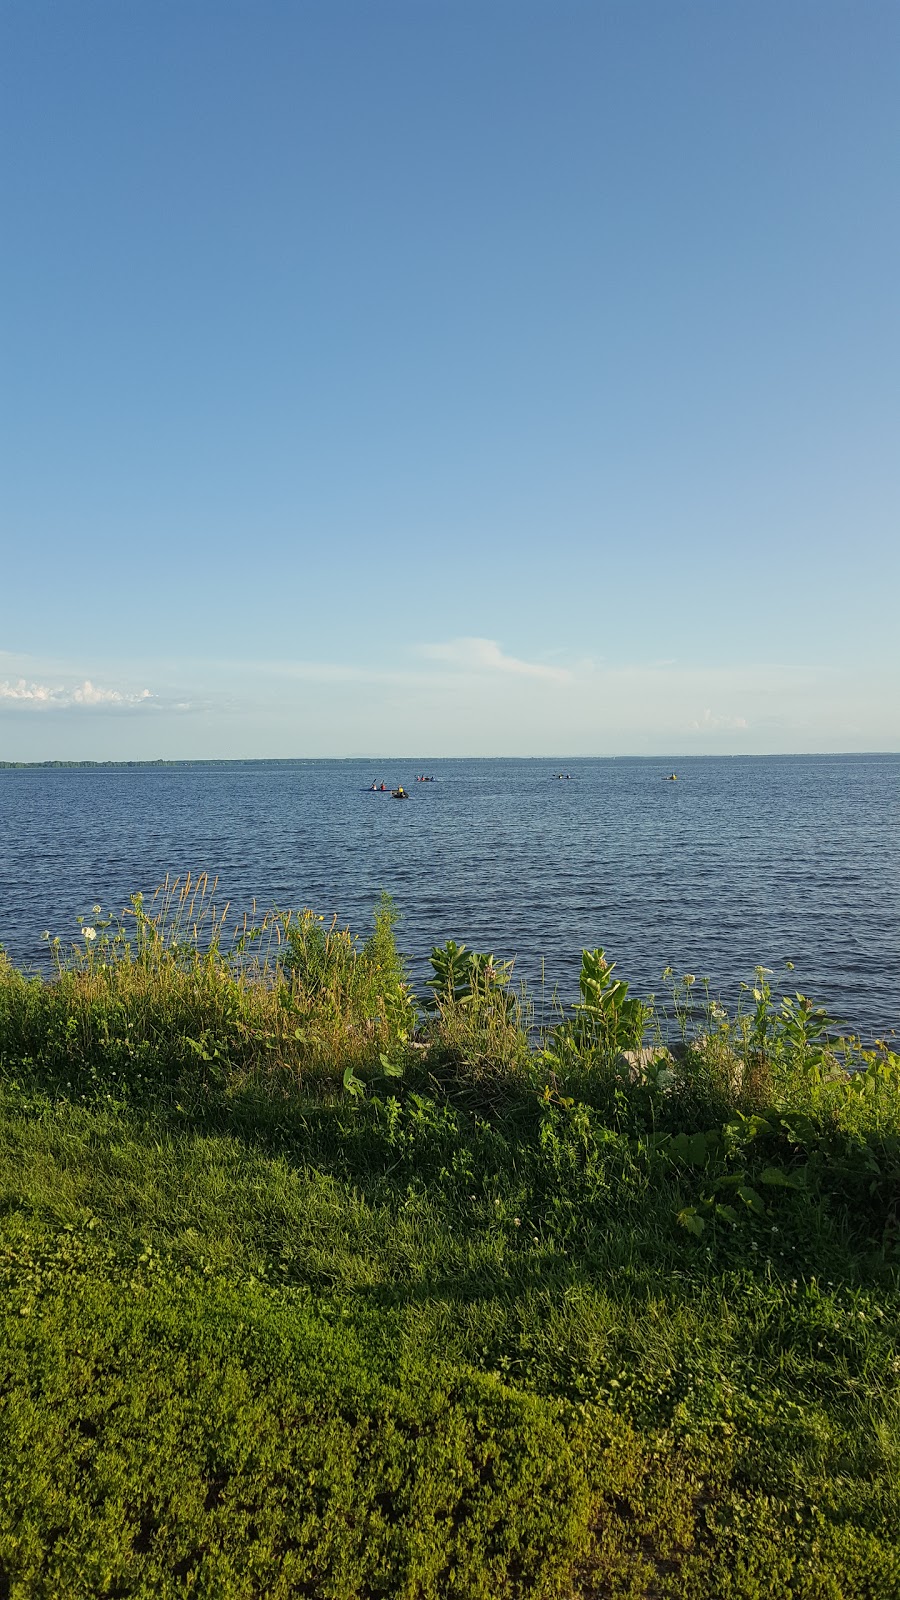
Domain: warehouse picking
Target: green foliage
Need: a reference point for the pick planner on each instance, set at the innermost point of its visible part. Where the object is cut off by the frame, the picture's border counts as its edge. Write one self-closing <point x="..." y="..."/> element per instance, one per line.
<point x="465" y="977"/>
<point x="296" y="1299"/>
<point x="262" y="1452"/>
<point x="332" y="975"/>
<point x="606" y="1021"/>
<point x="170" y="1004"/>
<point x="478" y="1027"/>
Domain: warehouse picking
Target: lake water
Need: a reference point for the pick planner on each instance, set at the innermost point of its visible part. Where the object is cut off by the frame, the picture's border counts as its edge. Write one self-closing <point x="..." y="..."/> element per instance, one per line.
<point x="743" y="861"/>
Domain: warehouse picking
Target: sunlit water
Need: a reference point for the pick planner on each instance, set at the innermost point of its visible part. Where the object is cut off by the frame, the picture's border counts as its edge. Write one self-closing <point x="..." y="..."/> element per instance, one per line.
<point x="741" y="861"/>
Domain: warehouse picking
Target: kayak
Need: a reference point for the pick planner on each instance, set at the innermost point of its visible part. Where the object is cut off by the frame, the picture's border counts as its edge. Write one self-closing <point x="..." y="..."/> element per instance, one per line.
<point x="399" y="794"/>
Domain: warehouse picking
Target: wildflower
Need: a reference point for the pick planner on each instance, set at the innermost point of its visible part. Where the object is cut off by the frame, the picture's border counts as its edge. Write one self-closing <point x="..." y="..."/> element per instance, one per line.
<point x="89" y="933"/>
<point x="688" y="979"/>
<point x="517" y="1222"/>
<point x="96" y="910"/>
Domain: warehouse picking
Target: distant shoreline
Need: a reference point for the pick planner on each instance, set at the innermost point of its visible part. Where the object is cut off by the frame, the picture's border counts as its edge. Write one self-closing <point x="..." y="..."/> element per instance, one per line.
<point x="268" y="761"/>
<point x="17" y="766"/>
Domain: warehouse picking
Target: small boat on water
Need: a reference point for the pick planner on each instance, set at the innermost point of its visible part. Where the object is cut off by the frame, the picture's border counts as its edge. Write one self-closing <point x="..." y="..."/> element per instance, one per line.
<point x="399" y="794"/>
<point x="672" y="778"/>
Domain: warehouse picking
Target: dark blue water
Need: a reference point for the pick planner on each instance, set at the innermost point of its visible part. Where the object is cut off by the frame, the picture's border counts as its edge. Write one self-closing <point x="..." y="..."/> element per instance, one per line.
<point x="743" y="861"/>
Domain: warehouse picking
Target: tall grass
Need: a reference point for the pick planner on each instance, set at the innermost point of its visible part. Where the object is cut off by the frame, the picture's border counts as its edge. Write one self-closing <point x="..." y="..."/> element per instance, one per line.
<point x="175" y="997"/>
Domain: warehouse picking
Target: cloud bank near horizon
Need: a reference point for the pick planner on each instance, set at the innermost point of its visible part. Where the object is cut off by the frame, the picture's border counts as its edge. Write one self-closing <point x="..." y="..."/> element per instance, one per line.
<point x="85" y="695"/>
<point x="466" y="695"/>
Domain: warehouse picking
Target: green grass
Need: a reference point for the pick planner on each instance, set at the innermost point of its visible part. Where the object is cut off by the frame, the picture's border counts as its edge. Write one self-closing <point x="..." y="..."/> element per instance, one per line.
<point x="352" y="1304"/>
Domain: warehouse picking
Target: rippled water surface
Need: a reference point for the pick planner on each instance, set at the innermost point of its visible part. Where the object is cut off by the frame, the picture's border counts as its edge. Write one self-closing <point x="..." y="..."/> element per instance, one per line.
<point x="742" y="861"/>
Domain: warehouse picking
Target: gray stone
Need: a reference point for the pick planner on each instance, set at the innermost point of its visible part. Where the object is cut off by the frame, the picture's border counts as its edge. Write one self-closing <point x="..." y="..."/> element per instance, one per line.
<point x="634" y="1064"/>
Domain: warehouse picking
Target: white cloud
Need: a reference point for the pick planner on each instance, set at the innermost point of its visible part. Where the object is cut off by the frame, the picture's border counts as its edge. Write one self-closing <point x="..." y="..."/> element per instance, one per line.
<point x="464" y="655"/>
<point x="709" y="723"/>
<point x="485" y="655"/>
<point x="460" y="696"/>
<point x="61" y="697"/>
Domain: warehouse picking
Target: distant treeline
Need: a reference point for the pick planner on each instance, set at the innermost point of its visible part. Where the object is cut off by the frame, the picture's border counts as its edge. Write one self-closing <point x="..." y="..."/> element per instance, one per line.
<point x="20" y="765"/>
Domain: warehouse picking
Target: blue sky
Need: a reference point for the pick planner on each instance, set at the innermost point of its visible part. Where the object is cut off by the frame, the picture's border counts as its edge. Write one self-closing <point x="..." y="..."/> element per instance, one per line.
<point x="449" y="378"/>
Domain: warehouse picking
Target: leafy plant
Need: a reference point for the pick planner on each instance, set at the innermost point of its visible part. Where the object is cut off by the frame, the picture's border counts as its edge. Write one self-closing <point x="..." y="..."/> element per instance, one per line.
<point x="463" y="977"/>
<point x="606" y="1020"/>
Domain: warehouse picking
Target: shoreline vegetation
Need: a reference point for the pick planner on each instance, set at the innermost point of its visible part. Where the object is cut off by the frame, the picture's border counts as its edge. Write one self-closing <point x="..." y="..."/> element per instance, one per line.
<point x="649" y="760"/>
<point x="25" y="766"/>
<point x="314" y="1286"/>
<point x="18" y="767"/>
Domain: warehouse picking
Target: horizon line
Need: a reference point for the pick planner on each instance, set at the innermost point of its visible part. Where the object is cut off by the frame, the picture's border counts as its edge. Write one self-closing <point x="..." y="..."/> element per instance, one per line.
<point x="201" y="761"/>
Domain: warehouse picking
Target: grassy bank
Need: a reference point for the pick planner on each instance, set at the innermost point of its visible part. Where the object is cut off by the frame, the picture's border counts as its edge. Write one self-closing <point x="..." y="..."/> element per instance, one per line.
<point x="314" y="1288"/>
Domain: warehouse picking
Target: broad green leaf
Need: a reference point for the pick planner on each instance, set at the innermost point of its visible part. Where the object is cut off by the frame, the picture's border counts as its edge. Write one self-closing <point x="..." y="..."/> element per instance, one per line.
<point x="689" y="1219"/>
<point x="751" y="1199"/>
<point x="697" y="1150"/>
<point x="798" y="1127"/>
<point x="777" y="1178"/>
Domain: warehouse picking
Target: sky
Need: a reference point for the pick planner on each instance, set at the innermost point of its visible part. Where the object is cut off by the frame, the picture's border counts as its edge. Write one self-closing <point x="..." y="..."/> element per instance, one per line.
<point x="449" y="378"/>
